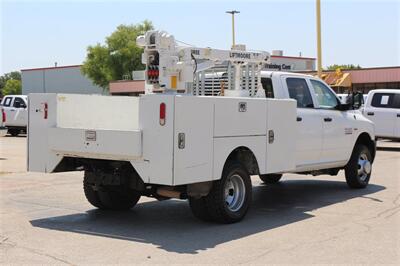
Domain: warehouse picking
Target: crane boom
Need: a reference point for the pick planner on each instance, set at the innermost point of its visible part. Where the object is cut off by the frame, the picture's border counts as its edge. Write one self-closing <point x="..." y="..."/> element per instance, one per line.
<point x="173" y="67"/>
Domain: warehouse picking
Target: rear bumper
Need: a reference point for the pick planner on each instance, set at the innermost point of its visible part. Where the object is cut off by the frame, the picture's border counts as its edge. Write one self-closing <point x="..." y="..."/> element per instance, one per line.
<point x="96" y="144"/>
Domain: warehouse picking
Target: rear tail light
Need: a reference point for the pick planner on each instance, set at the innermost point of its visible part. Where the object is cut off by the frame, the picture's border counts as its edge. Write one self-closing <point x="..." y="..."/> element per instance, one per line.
<point x="3" y="115"/>
<point x="46" y="111"/>
<point x="162" y="114"/>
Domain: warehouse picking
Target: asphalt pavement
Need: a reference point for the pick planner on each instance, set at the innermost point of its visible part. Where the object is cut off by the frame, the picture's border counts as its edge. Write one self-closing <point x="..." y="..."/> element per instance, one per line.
<point x="45" y="219"/>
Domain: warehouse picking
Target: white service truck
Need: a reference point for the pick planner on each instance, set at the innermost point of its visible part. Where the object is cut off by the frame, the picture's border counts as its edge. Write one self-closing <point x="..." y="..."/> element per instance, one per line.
<point x="201" y="148"/>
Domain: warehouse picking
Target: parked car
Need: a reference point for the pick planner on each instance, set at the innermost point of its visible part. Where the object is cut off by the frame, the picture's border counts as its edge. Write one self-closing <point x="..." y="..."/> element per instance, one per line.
<point x="383" y="108"/>
<point x="15" y="108"/>
<point x="3" y="129"/>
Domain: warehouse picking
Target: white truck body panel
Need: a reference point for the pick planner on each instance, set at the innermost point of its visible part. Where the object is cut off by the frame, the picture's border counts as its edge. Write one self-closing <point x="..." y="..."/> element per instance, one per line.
<point x="194" y="116"/>
<point x="213" y="128"/>
<point x="89" y="111"/>
<point x="57" y="136"/>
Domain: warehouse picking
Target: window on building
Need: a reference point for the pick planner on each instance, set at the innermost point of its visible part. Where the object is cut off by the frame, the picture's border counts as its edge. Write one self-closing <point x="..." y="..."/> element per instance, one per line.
<point x="268" y="88"/>
<point x="299" y="91"/>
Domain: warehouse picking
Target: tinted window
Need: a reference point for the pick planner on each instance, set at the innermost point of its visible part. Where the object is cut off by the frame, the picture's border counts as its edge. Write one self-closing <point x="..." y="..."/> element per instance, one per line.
<point x="396" y="101"/>
<point x="325" y="97"/>
<point x="19" y="103"/>
<point x="383" y="100"/>
<point x="267" y="86"/>
<point x="299" y="91"/>
<point x="7" y="101"/>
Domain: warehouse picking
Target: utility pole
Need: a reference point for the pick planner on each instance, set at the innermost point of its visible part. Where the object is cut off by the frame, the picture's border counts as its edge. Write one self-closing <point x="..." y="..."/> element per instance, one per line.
<point x="233" y="12"/>
<point x="319" y="52"/>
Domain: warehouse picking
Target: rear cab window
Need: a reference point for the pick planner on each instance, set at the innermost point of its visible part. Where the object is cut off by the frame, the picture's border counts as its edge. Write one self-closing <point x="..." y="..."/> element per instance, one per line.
<point x="268" y="88"/>
<point x="7" y="101"/>
<point x="299" y="91"/>
<point x="385" y="100"/>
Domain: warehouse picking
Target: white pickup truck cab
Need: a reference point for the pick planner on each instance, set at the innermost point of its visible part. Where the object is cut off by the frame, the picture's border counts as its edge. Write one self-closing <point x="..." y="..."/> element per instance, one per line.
<point x="15" y="108"/>
<point x="383" y="108"/>
<point x="196" y="147"/>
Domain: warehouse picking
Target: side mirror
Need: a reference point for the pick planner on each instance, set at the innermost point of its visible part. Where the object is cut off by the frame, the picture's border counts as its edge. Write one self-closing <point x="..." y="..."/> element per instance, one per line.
<point x="357" y="100"/>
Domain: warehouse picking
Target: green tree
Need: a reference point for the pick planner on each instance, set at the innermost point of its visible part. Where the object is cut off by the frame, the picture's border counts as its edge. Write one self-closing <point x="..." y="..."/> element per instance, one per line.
<point x="12" y="75"/>
<point x="13" y="86"/>
<point x="350" y="66"/>
<point x="118" y="57"/>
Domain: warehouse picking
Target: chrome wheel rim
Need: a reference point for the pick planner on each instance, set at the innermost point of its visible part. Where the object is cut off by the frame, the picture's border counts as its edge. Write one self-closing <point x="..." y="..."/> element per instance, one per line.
<point x="235" y="192"/>
<point x="364" y="167"/>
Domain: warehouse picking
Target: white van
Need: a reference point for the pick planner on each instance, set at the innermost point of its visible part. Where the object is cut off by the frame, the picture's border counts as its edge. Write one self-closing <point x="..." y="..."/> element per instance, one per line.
<point x="383" y="108"/>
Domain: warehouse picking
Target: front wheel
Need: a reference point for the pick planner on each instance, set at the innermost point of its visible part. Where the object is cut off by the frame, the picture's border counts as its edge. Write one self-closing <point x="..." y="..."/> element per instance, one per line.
<point x="229" y="198"/>
<point x="358" y="169"/>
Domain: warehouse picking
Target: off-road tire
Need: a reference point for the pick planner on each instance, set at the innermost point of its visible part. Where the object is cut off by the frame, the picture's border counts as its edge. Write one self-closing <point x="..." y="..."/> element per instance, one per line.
<point x="353" y="178"/>
<point x="271" y="178"/>
<point x="109" y="197"/>
<point x="214" y="207"/>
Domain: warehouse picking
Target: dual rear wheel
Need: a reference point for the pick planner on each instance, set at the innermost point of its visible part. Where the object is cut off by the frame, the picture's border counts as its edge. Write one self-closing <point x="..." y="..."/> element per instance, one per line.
<point x="229" y="198"/>
<point x="109" y="197"/>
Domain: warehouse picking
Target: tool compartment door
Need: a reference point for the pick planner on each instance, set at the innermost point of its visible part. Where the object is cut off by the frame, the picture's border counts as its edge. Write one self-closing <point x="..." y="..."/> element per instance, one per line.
<point x="281" y="136"/>
<point x="194" y="121"/>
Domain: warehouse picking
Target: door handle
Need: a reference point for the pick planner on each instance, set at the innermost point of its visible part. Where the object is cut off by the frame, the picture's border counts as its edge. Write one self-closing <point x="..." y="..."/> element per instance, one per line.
<point x="398" y="115"/>
<point x="370" y="113"/>
<point x="298" y="119"/>
<point x="327" y="119"/>
<point x="12" y="110"/>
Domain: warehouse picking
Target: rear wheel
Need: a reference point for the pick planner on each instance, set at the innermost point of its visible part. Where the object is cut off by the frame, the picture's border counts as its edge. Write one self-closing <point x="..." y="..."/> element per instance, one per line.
<point x="358" y="169"/>
<point x="271" y="178"/>
<point x="199" y="208"/>
<point x="109" y="197"/>
<point x="229" y="198"/>
<point x="14" y="132"/>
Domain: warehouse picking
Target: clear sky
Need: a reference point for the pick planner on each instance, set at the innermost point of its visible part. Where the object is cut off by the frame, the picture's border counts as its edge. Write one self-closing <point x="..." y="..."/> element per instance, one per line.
<point x="39" y="33"/>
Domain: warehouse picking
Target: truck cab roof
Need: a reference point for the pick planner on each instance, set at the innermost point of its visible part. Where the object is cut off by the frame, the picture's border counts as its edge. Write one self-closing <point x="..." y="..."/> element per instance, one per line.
<point x="282" y="73"/>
